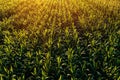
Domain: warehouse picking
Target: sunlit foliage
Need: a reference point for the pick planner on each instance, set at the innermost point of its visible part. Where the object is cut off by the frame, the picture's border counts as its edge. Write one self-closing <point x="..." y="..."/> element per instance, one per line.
<point x="59" y="39"/>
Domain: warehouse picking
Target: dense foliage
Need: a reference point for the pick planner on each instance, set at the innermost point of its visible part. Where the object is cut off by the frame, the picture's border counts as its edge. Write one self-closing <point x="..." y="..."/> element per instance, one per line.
<point x="59" y="40"/>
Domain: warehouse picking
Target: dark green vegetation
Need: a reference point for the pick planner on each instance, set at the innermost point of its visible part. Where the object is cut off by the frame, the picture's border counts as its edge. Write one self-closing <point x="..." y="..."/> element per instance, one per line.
<point x="59" y="40"/>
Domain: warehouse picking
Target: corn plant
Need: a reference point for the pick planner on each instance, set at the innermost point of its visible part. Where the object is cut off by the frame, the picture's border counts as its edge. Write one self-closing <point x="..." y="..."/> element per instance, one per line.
<point x="59" y="39"/>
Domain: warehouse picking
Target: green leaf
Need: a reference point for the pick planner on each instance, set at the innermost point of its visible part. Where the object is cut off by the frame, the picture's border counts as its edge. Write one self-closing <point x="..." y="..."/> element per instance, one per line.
<point x="118" y="32"/>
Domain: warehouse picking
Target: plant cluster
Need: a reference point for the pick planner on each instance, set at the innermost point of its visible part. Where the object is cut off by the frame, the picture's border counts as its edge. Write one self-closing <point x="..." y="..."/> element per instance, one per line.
<point x="59" y="40"/>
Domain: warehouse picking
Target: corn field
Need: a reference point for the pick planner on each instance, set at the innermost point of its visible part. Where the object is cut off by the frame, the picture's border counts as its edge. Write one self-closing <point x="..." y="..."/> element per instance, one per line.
<point x="59" y="39"/>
